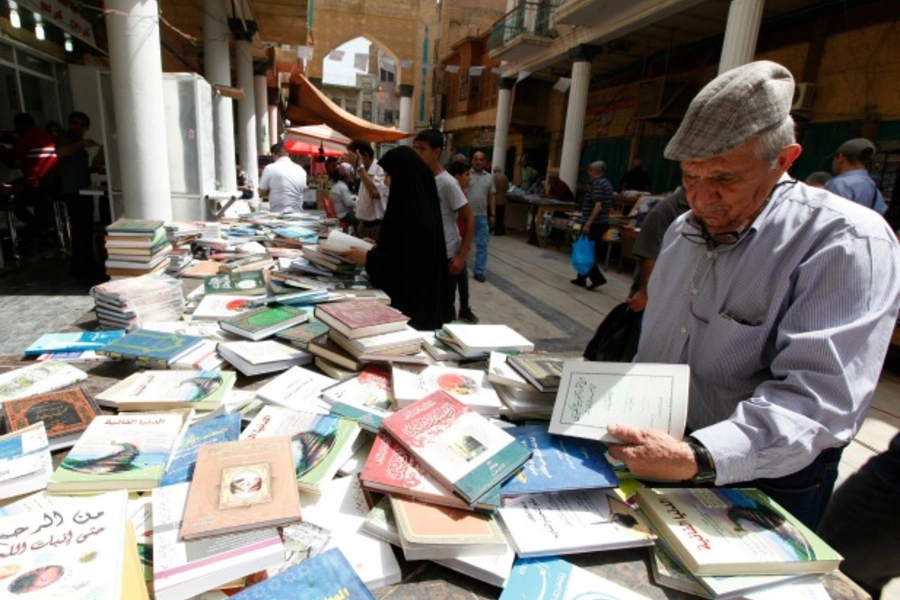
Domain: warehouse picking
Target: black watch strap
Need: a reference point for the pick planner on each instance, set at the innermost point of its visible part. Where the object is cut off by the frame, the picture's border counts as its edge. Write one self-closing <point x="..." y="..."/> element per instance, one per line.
<point x="706" y="471"/>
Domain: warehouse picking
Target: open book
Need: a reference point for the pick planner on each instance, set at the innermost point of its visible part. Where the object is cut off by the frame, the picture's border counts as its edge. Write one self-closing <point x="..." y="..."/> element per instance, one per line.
<point x="338" y="242"/>
<point x="593" y="395"/>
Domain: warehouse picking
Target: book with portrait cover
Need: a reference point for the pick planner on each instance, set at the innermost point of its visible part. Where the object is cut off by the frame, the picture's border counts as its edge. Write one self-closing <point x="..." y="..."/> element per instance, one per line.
<point x="734" y="531"/>
<point x="65" y="413"/>
<point x="461" y="448"/>
<point x="242" y="485"/>
<point x="149" y="390"/>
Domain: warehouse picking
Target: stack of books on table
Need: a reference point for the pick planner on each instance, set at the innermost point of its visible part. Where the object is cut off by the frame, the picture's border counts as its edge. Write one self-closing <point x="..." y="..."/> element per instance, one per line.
<point x="478" y="341"/>
<point x="136" y="247"/>
<point x="128" y="303"/>
<point x="526" y="384"/>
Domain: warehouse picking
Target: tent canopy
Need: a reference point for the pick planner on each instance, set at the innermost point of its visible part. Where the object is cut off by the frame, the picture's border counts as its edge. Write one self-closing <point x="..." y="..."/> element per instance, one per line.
<point x="298" y="147"/>
<point x="307" y="105"/>
<point x="318" y="134"/>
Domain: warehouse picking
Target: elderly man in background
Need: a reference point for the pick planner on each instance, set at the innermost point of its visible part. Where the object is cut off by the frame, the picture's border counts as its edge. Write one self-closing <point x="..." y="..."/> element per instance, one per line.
<point x="283" y="182"/>
<point x="851" y="175"/>
<point x="781" y="297"/>
<point x="595" y="212"/>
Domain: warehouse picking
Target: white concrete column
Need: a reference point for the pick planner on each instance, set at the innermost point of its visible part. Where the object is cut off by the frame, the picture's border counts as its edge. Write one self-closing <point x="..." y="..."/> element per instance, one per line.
<point x="574" y="131"/>
<point x="359" y="103"/>
<point x="274" y="133"/>
<point x="247" y="111"/>
<point x="136" y="70"/>
<point x="217" y="70"/>
<point x="406" y="116"/>
<point x="501" y="124"/>
<point x="741" y="31"/>
<point x="262" y="115"/>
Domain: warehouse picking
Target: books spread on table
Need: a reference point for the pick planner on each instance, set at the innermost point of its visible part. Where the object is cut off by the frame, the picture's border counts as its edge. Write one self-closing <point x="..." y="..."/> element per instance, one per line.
<point x="241" y="485"/>
<point x="734" y="531"/>
<point x="260" y="323"/>
<point x="127" y="303"/>
<point x="300" y="335"/>
<point x="593" y="395"/>
<point x="25" y="462"/>
<point x="469" y="386"/>
<point x="361" y="318"/>
<point x="402" y="341"/>
<point x="320" y="443"/>
<point x="155" y="348"/>
<point x="267" y="356"/>
<point x="297" y="389"/>
<point x="65" y="414"/>
<point x="127" y="451"/>
<point x="366" y="398"/>
<point x="180" y="469"/>
<point x="563" y="579"/>
<point x="38" y="378"/>
<point x="478" y="340"/>
<point x="543" y="372"/>
<point x="215" y="307"/>
<point x="149" y="390"/>
<point x="325" y="347"/>
<point x="500" y="372"/>
<point x="457" y="445"/>
<point x="243" y="283"/>
<point x="78" y="341"/>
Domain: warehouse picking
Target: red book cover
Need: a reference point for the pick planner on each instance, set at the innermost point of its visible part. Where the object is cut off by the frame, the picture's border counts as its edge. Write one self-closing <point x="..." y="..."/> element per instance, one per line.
<point x="354" y="315"/>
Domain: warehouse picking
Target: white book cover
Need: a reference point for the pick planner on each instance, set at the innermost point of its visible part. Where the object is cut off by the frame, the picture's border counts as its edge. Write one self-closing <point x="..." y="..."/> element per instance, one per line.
<point x="297" y="389"/>
<point x="795" y="590"/>
<point x="204" y="357"/>
<point x="140" y="514"/>
<point x="203" y="390"/>
<point x="485" y="338"/>
<point x="206" y="329"/>
<point x="39" y="378"/>
<point x="25" y="462"/>
<point x="469" y="386"/>
<point x="182" y="569"/>
<point x="500" y="372"/>
<point x="342" y="509"/>
<point x="261" y="353"/>
<point x="572" y="523"/>
<point x="593" y="395"/>
<point x="220" y="306"/>
<point x="338" y="241"/>
<point x="556" y="579"/>
<point x="384" y="341"/>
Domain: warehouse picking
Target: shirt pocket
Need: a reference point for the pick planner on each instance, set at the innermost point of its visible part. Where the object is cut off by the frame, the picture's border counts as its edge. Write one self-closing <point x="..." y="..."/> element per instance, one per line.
<point x="733" y="353"/>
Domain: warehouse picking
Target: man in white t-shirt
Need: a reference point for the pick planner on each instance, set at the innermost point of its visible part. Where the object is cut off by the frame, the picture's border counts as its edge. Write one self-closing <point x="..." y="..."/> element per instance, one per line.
<point x="372" y="198"/>
<point x="429" y="144"/>
<point x="283" y="182"/>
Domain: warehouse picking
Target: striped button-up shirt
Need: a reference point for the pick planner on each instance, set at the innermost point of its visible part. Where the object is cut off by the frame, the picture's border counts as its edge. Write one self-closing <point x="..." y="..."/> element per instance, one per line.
<point x="785" y="332"/>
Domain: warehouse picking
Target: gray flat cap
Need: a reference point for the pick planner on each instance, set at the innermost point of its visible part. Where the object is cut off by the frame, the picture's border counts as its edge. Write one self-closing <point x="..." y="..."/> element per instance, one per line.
<point x="732" y="109"/>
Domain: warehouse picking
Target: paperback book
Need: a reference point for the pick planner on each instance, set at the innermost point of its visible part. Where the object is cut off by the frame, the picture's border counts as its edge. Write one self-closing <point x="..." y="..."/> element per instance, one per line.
<point x="65" y="414"/>
<point x="556" y="579"/>
<point x="366" y="398"/>
<point x="180" y="468"/>
<point x="150" y="390"/>
<point x="78" y="341"/>
<point x="260" y="323"/>
<point x="297" y="389"/>
<point x="469" y="386"/>
<point x="482" y="339"/>
<point x="215" y="307"/>
<point x="267" y="356"/>
<point x="38" y="378"/>
<point x="25" y="462"/>
<point x="244" y="283"/>
<point x="543" y="372"/>
<point x="151" y="347"/>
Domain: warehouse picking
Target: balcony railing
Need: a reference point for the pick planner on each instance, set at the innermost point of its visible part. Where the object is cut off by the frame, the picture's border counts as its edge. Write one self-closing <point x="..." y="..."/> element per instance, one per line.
<point x="529" y="18"/>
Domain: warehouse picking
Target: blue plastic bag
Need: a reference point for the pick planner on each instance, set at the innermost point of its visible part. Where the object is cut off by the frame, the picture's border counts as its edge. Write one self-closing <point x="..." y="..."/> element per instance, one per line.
<point x="583" y="255"/>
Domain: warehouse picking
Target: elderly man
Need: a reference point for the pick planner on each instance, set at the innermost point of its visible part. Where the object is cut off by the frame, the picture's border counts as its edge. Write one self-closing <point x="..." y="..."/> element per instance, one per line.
<point x="851" y="176"/>
<point x="283" y="182"/>
<point x="595" y="212"/>
<point x="781" y="298"/>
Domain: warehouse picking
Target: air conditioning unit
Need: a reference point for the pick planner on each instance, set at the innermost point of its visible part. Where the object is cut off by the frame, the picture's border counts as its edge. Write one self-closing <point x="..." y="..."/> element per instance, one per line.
<point x="804" y="96"/>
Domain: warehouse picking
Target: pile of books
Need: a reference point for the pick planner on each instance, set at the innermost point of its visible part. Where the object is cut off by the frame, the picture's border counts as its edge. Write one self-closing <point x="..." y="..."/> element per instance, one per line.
<point x="127" y="303"/>
<point x="136" y="247"/>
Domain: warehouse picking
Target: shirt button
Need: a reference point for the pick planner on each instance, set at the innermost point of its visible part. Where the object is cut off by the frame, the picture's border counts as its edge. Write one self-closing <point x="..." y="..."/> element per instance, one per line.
<point x="684" y="330"/>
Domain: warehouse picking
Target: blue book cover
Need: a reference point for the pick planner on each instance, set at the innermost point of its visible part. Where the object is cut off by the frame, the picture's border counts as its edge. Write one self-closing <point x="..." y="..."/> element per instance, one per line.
<point x="226" y="428"/>
<point x="155" y="347"/>
<point x="555" y="579"/>
<point x="302" y="234"/>
<point x="77" y="341"/>
<point x="326" y="576"/>
<point x="558" y="463"/>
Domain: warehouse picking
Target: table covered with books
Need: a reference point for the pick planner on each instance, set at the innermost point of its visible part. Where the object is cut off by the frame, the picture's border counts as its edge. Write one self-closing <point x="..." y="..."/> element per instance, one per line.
<point x="300" y="440"/>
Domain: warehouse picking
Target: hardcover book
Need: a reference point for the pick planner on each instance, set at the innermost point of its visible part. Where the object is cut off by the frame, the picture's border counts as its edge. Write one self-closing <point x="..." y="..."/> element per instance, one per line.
<point x="152" y="347"/>
<point x="65" y="414"/>
<point x="366" y="398"/>
<point x="142" y="226"/>
<point x="320" y="443"/>
<point x="361" y="318"/>
<point x="180" y="469"/>
<point x="546" y="578"/>
<point x="469" y="386"/>
<point x="78" y="341"/>
<point x="458" y="446"/>
<point x="733" y="531"/>
<point x="148" y="390"/>
<point x="300" y="335"/>
<point x="262" y="322"/>
<point x="543" y="372"/>
<point x="403" y="341"/>
<point x="482" y="339"/>
<point x="25" y="462"/>
<point x="255" y="358"/>
<point x="38" y="378"/>
<point x="242" y="485"/>
<point x="244" y="283"/>
<point x="501" y="373"/>
<point x="183" y="569"/>
<point x="325" y="347"/>
<point x="558" y="464"/>
<point x="127" y="451"/>
<point x="327" y="575"/>
<point x="297" y="389"/>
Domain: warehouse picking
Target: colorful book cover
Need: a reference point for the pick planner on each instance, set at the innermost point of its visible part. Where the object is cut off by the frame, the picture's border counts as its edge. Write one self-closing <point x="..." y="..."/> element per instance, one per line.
<point x="297" y="389"/>
<point x="203" y="390"/>
<point x="119" y="451"/>
<point x="327" y="575"/>
<point x="154" y="347"/>
<point x="320" y="443"/>
<point x="558" y="464"/>
<point x="732" y="531"/>
<point x="460" y="447"/>
<point x="257" y="321"/>
<point x="300" y="335"/>
<point x="77" y="341"/>
<point x="556" y="579"/>
<point x="180" y="469"/>
<point x="367" y="398"/>
<point x="244" y="283"/>
<point x="469" y="386"/>
<point x="25" y="462"/>
<point x="73" y="551"/>
<point x="301" y="234"/>
<point x="65" y="414"/>
<point x="38" y="378"/>
<point x="221" y="306"/>
<point x="543" y="372"/>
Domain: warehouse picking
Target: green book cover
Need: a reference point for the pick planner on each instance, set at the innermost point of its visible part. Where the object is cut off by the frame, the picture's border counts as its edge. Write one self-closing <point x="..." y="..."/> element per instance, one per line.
<point x="241" y="283"/>
<point x="302" y="334"/>
<point x="254" y="321"/>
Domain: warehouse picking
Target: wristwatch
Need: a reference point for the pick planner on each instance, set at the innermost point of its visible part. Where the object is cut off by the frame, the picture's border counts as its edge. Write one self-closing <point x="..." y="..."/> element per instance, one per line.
<point x="706" y="470"/>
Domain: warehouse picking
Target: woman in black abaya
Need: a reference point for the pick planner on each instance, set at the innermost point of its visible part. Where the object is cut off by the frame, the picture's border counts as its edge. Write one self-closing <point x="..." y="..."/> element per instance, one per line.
<point x="410" y="261"/>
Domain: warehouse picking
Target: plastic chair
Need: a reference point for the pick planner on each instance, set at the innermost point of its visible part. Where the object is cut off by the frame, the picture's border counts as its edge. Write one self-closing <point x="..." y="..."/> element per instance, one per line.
<point x="332" y="214"/>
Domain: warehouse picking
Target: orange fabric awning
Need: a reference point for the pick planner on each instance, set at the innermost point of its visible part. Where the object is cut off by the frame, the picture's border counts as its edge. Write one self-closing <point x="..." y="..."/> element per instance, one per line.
<point x="309" y="106"/>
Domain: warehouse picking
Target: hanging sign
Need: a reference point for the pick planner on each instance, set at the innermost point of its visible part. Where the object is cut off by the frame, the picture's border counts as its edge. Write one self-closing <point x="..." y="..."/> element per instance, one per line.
<point x="63" y="15"/>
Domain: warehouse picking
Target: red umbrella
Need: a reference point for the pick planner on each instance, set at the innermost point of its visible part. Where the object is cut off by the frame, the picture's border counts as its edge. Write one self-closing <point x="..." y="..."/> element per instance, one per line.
<point x="298" y="147"/>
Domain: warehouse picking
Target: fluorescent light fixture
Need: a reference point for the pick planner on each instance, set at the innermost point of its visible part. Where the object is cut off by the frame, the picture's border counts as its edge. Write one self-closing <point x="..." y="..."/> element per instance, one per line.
<point x="68" y="43"/>
<point x="14" y="19"/>
<point x="39" y="28"/>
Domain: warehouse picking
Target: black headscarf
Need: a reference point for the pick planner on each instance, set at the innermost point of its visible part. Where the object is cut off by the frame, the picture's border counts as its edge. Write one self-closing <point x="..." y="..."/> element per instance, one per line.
<point x="410" y="261"/>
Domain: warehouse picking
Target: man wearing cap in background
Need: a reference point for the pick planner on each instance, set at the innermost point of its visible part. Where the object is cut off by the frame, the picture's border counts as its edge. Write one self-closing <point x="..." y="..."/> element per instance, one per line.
<point x="781" y="298"/>
<point x="851" y="176"/>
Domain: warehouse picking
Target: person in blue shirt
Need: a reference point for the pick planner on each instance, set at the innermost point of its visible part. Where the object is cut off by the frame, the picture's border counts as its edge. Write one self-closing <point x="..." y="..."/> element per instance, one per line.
<point x="851" y="176"/>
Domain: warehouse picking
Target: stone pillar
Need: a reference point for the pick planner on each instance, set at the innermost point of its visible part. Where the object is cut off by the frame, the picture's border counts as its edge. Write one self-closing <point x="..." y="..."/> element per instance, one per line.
<point x="247" y="111"/>
<point x="574" y="130"/>
<point x="741" y="31"/>
<point x="274" y="133"/>
<point x="262" y="115"/>
<point x="406" y="116"/>
<point x="359" y="104"/>
<point x="501" y="124"/>
<point x="135" y="64"/>
<point x="217" y="70"/>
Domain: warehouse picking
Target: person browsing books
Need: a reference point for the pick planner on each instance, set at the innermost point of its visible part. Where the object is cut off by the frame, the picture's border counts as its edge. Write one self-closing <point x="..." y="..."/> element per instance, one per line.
<point x="780" y="297"/>
<point x="409" y="261"/>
